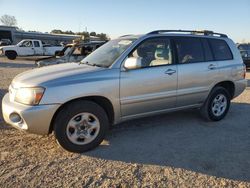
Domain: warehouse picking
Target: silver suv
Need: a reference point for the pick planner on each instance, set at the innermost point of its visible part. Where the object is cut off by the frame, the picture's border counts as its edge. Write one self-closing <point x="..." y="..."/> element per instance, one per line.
<point x="129" y="77"/>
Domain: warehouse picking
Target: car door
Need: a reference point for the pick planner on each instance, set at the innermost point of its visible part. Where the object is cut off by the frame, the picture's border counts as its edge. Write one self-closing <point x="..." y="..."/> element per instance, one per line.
<point x="197" y="72"/>
<point x="151" y="87"/>
<point x="26" y="48"/>
<point x="37" y="48"/>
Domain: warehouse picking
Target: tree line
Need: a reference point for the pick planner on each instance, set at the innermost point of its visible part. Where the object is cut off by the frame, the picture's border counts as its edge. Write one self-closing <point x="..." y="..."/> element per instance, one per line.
<point x="9" y="20"/>
<point x="87" y="35"/>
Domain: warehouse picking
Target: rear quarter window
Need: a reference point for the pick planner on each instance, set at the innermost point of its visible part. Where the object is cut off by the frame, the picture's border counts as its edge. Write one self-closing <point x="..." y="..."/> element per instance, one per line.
<point x="220" y="50"/>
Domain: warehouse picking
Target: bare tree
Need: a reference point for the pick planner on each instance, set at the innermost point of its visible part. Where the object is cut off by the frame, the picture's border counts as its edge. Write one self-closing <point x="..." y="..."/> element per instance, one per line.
<point x="8" y="20"/>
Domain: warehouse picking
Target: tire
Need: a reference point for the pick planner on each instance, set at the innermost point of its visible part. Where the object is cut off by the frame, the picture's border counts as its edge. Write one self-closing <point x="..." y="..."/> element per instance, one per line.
<point x="210" y="111"/>
<point x="75" y="121"/>
<point x="11" y="55"/>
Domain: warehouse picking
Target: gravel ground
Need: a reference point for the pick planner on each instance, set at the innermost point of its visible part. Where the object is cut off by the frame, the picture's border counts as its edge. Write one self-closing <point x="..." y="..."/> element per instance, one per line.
<point x="173" y="150"/>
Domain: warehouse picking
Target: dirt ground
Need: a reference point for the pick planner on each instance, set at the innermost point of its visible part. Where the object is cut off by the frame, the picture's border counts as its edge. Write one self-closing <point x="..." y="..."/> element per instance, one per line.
<point x="172" y="150"/>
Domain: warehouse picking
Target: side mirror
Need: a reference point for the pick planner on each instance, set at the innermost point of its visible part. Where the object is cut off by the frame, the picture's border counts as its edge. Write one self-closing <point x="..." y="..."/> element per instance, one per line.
<point x="132" y="63"/>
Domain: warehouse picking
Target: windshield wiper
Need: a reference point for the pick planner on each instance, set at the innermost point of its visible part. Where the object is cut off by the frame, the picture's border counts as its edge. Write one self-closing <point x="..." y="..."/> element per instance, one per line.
<point x="96" y="65"/>
<point x="91" y="64"/>
<point x="84" y="62"/>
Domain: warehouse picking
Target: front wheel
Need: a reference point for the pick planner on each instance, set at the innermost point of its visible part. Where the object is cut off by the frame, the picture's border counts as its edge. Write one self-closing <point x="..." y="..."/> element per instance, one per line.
<point x="11" y="55"/>
<point x="217" y="104"/>
<point x="81" y="126"/>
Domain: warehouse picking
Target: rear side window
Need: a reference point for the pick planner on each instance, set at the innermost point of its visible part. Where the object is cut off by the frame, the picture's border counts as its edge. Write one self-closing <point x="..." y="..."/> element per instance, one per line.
<point x="36" y="44"/>
<point x="189" y="50"/>
<point x="220" y="50"/>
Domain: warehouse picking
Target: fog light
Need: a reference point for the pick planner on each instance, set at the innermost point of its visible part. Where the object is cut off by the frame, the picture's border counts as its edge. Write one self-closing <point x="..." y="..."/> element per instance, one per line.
<point x="15" y="118"/>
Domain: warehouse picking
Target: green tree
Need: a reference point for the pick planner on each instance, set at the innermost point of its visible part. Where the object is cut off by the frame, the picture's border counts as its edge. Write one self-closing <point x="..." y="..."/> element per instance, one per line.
<point x="57" y="31"/>
<point x="69" y="32"/>
<point x="103" y="36"/>
<point x="86" y="35"/>
<point x="92" y="33"/>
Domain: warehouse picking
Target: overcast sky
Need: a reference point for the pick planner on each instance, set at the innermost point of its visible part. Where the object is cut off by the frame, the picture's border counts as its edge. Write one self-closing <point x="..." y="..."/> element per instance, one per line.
<point x="120" y="17"/>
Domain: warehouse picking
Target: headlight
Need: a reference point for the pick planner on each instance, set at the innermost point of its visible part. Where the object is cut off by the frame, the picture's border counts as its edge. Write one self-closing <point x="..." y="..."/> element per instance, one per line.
<point x="30" y="96"/>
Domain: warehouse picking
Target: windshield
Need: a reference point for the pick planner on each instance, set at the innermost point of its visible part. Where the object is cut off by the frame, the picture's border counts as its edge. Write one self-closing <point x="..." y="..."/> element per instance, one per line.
<point x="20" y="43"/>
<point x="106" y="55"/>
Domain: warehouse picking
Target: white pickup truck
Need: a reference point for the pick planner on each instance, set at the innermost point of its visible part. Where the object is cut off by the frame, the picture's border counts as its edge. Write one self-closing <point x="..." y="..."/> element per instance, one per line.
<point x="29" y="48"/>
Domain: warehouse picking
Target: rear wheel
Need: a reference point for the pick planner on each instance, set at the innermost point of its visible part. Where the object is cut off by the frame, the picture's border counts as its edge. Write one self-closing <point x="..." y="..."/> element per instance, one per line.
<point x="81" y="126"/>
<point x="217" y="104"/>
<point x="11" y="55"/>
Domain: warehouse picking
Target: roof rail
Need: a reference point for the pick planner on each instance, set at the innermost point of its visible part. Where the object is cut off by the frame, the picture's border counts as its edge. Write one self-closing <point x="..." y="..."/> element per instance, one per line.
<point x="204" y="32"/>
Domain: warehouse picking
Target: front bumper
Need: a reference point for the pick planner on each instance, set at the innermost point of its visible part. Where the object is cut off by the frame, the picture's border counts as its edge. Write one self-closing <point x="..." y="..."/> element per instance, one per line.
<point x="34" y="119"/>
<point x="1" y="52"/>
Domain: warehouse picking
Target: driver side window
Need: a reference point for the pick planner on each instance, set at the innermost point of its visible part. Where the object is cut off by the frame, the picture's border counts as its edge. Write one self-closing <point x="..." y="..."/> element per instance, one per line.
<point x="153" y="52"/>
<point x="27" y="44"/>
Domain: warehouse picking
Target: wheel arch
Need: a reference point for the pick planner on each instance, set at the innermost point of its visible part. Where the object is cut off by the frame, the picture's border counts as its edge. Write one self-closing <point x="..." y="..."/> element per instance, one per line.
<point x="8" y="53"/>
<point x="228" y="85"/>
<point x="104" y="102"/>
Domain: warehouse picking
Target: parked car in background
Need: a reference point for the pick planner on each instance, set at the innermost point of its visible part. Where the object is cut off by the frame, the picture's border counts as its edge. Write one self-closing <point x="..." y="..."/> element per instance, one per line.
<point x="5" y="42"/>
<point x="129" y="77"/>
<point x="71" y="53"/>
<point x="245" y="53"/>
<point x="29" y="47"/>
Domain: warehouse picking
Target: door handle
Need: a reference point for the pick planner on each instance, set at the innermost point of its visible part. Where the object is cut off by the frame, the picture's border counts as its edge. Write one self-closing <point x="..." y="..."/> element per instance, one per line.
<point x="170" y="71"/>
<point x="212" y="66"/>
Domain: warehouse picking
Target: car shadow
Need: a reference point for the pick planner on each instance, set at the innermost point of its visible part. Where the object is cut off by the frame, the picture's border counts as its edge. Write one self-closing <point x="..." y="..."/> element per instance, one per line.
<point x="16" y="65"/>
<point x="184" y="140"/>
<point x="2" y="93"/>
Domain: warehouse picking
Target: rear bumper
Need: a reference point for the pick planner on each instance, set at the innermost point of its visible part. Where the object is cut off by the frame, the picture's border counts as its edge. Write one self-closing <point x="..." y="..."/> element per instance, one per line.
<point x="240" y="86"/>
<point x="34" y="119"/>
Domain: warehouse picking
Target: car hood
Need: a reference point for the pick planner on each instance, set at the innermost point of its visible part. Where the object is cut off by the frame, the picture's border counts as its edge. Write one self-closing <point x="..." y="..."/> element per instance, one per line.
<point x="54" y="75"/>
<point x="8" y="47"/>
